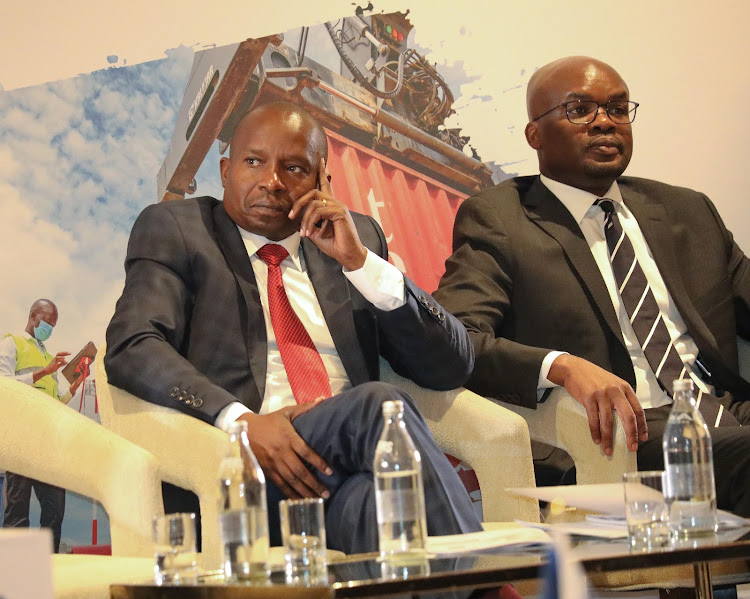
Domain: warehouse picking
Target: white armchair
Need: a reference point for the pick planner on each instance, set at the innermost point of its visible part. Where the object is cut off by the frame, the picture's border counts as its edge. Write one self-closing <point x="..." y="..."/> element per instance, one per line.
<point x="464" y="424"/>
<point x="43" y="439"/>
<point x="188" y="451"/>
<point x="486" y="436"/>
<point x="561" y="422"/>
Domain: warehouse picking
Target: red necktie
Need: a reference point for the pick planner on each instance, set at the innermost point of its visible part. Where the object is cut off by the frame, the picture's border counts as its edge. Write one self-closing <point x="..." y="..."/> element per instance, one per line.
<point x="304" y="367"/>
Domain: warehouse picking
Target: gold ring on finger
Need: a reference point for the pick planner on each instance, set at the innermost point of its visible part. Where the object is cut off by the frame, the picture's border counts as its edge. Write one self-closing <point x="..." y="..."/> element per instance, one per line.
<point x="325" y="202"/>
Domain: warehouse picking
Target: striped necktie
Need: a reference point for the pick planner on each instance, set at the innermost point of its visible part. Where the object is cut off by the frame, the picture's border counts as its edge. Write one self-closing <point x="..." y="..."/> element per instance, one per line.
<point x="646" y="319"/>
<point x="304" y="367"/>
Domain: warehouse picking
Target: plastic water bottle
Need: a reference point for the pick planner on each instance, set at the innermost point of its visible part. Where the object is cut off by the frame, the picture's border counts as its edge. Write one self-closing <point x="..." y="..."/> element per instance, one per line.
<point x="689" y="489"/>
<point x="399" y="492"/>
<point x="243" y="520"/>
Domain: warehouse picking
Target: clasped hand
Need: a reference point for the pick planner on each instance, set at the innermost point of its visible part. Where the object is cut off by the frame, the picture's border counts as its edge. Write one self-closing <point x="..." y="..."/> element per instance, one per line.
<point x="283" y="454"/>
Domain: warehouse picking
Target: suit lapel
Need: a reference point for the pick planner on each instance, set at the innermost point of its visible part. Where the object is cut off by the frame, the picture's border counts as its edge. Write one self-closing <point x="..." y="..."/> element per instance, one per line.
<point x="653" y="222"/>
<point x="551" y="215"/>
<point x="230" y="242"/>
<point x="332" y="290"/>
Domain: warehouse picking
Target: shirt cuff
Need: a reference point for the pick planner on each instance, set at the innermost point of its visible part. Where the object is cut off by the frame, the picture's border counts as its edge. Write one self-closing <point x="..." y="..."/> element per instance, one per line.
<point x="544" y="382"/>
<point x="229" y="414"/>
<point x="26" y="379"/>
<point x="381" y="283"/>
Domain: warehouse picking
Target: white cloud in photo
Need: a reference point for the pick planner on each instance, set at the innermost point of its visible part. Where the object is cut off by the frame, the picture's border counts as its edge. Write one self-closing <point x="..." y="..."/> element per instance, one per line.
<point x="78" y="162"/>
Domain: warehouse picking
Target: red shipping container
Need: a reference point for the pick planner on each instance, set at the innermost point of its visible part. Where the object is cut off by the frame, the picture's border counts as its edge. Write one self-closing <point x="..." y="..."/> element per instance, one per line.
<point x="415" y="211"/>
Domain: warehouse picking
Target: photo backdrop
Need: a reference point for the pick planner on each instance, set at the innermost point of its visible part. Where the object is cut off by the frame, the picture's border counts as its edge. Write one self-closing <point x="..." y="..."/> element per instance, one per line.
<point x="90" y="92"/>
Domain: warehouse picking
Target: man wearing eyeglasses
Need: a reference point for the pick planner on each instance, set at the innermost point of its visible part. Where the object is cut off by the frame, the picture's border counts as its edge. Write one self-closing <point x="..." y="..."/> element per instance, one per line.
<point x="536" y="278"/>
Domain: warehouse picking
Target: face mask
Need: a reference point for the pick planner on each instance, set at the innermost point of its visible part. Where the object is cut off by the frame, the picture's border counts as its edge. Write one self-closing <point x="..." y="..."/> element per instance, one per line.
<point x="43" y="331"/>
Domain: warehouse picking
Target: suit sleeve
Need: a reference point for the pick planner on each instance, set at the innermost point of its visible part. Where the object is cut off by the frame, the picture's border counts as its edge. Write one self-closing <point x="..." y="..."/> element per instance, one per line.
<point x="477" y="287"/>
<point x="150" y="321"/>
<point x="738" y="269"/>
<point x="420" y="340"/>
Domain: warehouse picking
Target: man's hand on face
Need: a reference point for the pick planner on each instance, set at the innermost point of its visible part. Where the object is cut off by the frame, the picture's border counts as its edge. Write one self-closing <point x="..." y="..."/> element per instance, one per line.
<point x="281" y="451"/>
<point x="601" y="393"/>
<point x="336" y="235"/>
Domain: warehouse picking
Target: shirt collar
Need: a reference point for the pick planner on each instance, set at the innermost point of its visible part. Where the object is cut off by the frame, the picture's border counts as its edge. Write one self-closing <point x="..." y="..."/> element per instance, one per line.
<point x="34" y="339"/>
<point x="253" y="242"/>
<point x="577" y="201"/>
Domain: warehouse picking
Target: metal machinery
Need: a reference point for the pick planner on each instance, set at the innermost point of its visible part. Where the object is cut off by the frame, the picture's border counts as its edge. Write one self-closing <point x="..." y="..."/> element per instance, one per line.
<point x="387" y="97"/>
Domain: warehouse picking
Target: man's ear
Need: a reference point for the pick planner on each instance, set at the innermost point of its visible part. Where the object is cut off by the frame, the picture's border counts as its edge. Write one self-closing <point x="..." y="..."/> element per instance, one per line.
<point x="532" y="135"/>
<point x="224" y="165"/>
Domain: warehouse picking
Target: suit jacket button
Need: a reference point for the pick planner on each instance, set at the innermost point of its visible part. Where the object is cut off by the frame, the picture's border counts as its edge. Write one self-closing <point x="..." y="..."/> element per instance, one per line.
<point x="182" y="396"/>
<point x="189" y="399"/>
<point x="441" y="317"/>
<point x="175" y="391"/>
<point x="434" y="311"/>
<point x="198" y="402"/>
<point x="422" y="300"/>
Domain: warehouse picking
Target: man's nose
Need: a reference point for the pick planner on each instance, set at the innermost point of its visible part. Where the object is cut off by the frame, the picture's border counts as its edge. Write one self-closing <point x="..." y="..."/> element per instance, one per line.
<point x="271" y="180"/>
<point x="602" y="120"/>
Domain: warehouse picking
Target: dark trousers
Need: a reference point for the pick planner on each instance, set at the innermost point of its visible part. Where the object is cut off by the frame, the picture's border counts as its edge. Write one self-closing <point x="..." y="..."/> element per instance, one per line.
<point x="731" y="453"/>
<point x="51" y="499"/>
<point x="344" y="430"/>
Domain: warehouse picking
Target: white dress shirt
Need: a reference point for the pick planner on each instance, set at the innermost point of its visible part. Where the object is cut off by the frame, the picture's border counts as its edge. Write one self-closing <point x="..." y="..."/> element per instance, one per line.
<point x="591" y="219"/>
<point x="381" y="283"/>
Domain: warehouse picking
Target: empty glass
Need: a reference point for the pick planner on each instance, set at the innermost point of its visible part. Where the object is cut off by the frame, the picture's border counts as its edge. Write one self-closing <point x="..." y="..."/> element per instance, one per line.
<point x="174" y="549"/>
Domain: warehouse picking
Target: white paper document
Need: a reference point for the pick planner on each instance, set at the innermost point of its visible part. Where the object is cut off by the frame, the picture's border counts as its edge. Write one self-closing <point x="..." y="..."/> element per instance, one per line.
<point x="584" y="528"/>
<point x="606" y="498"/>
<point x="519" y="537"/>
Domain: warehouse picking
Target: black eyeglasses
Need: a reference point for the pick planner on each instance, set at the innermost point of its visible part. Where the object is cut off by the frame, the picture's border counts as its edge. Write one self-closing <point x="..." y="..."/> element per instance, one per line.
<point x="583" y="112"/>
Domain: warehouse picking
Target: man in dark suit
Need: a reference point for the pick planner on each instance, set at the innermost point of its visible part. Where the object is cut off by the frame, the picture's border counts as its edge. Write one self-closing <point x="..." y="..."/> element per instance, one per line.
<point x="531" y="278"/>
<point x="201" y="327"/>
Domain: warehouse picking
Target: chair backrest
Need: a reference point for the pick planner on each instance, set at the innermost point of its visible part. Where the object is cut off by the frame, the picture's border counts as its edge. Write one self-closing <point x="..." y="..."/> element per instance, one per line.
<point x="489" y="438"/>
<point x="188" y="451"/>
<point x="44" y="439"/>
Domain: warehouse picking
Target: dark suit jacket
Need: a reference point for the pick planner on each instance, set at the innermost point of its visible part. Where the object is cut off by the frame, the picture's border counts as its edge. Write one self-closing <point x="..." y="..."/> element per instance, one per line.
<point x="524" y="282"/>
<point x="189" y="332"/>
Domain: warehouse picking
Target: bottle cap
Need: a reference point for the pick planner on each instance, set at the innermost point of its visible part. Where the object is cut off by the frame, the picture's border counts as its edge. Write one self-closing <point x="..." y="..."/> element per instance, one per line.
<point x="235" y="427"/>
<point x="682" y="385"/>
<point x="395" y="406"/>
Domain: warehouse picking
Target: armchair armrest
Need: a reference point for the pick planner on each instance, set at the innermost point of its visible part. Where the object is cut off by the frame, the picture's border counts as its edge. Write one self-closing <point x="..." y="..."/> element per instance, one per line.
<point x="44" y="439"/>
<point x="489" y="438"/>
<point x="188" y="450"/>
<point x="561" y="422"/>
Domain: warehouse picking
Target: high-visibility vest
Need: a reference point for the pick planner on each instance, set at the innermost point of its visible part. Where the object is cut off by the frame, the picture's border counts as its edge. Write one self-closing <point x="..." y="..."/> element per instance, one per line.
<point x="30" y="355"/>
